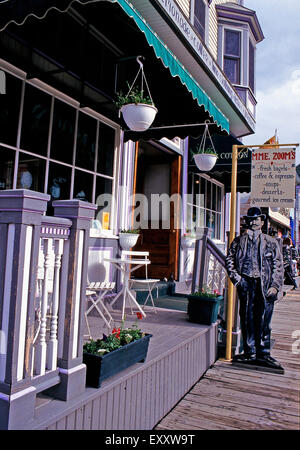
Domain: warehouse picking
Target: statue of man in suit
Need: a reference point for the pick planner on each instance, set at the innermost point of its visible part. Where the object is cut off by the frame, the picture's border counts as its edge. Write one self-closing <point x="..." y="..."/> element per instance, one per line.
<point x="255" y="266"/>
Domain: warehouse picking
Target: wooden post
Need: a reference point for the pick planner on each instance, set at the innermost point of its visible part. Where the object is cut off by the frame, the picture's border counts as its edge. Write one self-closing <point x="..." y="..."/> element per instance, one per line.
<point x="72" y="371"/>
<point x="21" y="212"/>
<point x="231" y="237"/>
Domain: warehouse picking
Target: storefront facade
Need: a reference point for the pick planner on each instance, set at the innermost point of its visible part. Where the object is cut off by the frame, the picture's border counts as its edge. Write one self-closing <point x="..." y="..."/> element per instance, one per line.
<point x="60" y="129"/>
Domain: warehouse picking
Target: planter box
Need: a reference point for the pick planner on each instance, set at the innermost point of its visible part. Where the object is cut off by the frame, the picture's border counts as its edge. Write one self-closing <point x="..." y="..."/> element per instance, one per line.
<point x="98" y="368"/>
<point x="203" y="309"/>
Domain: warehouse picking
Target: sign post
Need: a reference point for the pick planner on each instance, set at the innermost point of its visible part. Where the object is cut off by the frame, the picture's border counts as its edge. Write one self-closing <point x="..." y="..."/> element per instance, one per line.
<point x="287" y="157"/>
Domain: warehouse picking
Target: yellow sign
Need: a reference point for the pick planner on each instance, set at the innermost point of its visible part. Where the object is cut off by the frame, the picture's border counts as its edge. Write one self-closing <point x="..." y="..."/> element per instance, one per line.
<point x="105" y="220"/>
<point x="273" y="177"/>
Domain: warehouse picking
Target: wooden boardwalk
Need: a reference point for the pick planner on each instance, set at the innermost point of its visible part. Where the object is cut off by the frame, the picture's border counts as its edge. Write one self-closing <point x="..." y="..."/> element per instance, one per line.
<point x="230" y="398"/>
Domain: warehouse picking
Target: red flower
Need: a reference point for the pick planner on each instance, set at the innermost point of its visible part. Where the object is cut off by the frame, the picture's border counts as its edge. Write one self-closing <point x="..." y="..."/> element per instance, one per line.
<point x="139" y="315"/>
<point x="116" y="332"/>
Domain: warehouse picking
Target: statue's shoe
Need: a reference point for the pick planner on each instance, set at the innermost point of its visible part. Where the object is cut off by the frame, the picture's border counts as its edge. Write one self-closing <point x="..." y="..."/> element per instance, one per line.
<point x="244" y="358"/>
<point x="268" y="361"/>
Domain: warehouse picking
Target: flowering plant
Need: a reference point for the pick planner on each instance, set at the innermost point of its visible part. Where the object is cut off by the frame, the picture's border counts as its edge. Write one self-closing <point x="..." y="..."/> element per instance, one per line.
<point x="207" y="292"/>
<point x="134" y="96"/>
<point x="118" y="338"/>
<point x="133" y="231"/>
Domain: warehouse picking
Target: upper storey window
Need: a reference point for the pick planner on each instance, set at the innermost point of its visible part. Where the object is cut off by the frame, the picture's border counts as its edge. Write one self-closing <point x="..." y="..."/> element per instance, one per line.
<point x="198" y="16"/>
<point x="238" y="34"/>
<point x="232" y="56"/>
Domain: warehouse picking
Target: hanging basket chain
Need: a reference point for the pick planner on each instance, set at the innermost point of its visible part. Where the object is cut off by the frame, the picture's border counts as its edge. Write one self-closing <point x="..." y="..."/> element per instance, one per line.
<point x="204" y="138"/>
<point x="143" y="78"/>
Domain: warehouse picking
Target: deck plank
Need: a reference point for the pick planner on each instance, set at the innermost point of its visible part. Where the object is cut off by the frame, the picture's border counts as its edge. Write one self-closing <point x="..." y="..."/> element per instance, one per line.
<point x="227" y="397"/>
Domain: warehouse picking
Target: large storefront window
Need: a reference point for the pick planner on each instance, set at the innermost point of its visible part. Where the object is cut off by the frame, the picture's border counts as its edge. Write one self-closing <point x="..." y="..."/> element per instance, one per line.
<point x="204" y="205"/>
<point x="53" y="147"/>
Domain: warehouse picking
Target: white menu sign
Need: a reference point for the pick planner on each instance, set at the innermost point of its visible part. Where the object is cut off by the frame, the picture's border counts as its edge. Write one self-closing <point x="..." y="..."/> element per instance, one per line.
<point x="273" y="177"/>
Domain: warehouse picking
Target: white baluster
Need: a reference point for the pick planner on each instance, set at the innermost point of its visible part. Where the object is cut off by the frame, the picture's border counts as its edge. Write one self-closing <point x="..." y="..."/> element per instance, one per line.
<point x="52" y="345"/>
<point x="41" y="348"/>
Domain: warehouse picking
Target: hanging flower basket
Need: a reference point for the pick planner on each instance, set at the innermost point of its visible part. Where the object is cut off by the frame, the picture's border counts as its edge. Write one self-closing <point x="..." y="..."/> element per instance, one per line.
<point x="205" y="161"/>
<point x="138" y="109"/>
<point x="138" y="116"/>
<point x="205" y="156"/>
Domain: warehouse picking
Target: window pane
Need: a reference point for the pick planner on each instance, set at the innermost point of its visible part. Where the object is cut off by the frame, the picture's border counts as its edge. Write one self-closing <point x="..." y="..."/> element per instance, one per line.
<point x="200" y="217"/>
<point x="83" y="186"/>
<point x="62" y="139"/>
<point x="199" y="17"/>
<point x="31" y="173"/>
<point x="251" y="66"/>
<point x="232" y="69"/>
<point x="203" y="191"/>
<point x="103" y="197"/>
<point x="219" y="199"/>
<point x="189" y="225"/>
<point x="213" y="197"/>
<point x="35" y="122"/>
<point x="196" y="189"/>
<point x="7" y="161"/>
<point x="86" y="141"/>
<point x="59" y="181"/>
<point x="208" y="195"/>
<point x="9" y="110"/>
<point x="106" y="150"/>
<point x="232" y="43"/>
<point x="211" y="222"/>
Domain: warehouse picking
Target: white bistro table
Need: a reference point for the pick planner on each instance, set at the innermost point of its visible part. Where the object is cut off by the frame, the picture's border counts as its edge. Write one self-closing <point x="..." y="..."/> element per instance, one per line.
<point x="127" y="266"/>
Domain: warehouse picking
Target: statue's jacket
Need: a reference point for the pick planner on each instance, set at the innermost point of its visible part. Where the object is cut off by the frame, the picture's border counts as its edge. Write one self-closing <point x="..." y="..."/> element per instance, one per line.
<point x="270" y="261"/>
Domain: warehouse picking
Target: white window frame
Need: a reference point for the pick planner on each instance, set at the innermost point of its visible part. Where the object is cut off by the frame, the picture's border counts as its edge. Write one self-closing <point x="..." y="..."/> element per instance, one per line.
<point x="220" y="237"/>
<point x="241" y="31"/>
<point x="192" y="15"/>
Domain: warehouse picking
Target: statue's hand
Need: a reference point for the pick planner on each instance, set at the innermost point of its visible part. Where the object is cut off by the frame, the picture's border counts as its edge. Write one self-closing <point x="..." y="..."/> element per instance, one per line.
<point x="271" y="291"/>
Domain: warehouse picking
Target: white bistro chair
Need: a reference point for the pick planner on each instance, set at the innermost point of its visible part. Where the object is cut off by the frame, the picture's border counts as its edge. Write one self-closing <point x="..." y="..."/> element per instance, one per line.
<point x="95" y="292"/>
<point x="142" y="284"/>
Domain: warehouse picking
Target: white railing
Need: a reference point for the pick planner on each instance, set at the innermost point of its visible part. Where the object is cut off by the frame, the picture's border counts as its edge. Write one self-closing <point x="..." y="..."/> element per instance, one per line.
<point x="49" y="297"/>
<point x="216" y="275"/>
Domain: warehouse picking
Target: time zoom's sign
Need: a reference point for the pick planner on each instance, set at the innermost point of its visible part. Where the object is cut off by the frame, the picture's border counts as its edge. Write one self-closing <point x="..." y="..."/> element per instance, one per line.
<point x="273" y="178"/>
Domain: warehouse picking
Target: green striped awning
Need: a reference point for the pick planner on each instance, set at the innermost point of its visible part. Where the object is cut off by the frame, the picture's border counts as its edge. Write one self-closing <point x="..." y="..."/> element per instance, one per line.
<point x="175" y="67"/>
<point x="18" y="11"/>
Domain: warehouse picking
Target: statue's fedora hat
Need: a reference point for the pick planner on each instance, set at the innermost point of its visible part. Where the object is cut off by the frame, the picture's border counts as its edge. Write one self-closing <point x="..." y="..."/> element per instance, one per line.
<point x="253" y="213"/>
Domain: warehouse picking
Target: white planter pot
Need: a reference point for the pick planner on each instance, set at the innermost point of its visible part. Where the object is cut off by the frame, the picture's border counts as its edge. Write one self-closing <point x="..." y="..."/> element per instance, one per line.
<point x="138" y="117"/>
<point x="205" y="161"/>
<point x="128" y="240"/>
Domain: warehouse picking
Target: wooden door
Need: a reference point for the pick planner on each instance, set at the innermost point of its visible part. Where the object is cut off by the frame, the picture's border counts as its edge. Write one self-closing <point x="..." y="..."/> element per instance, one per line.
<point x="162" y="244"/>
